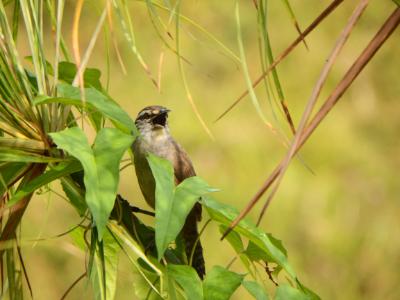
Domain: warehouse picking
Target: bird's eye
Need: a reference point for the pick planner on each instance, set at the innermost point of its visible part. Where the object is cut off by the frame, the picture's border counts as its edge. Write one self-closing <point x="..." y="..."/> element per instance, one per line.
<point x="144" y="115"/>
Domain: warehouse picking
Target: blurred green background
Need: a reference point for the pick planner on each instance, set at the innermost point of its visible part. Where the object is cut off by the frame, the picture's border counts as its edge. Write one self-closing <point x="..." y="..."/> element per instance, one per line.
<point x="340" y="226"/>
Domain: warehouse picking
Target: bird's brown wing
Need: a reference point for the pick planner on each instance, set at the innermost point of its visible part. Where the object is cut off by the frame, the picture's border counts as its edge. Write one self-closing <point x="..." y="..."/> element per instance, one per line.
<point x="183" y="169"/>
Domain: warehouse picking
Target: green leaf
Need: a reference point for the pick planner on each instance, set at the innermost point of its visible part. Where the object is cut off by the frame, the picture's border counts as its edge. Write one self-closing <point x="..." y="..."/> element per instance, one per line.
<point x="286" y="292"/>
<point x="245" y="68"/>
<point x="67" y="72"/>
<point x="225" y="214"/>
<point x="94" y="99"/>
<point x="100" y="165"/>
<point x="235" y="241"/>
<point x="256" y="253"/>
<point x="111" y="250"/>
<point x="188" y="279"/>
<point x="63" y="169"/>
<point x="172" y="204"/>
<point x="48" y="66"/>
<point x="220" y="283"/>
<point x="397" y="2"/>
<point x="142" y="288"/>
<point x="256" y="290"/>
<point x="233" y="238"/>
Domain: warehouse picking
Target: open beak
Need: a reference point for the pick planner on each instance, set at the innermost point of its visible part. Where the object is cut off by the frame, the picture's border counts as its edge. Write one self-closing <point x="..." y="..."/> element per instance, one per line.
<point x="165" y="111"/>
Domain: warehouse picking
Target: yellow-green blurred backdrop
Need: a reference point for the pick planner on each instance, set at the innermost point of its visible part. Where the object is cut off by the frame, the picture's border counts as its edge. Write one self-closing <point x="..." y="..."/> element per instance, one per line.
<point x="340" y="226"/>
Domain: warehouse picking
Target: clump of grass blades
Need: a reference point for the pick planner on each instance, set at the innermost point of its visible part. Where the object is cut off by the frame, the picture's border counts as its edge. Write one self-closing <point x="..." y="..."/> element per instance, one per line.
<point x="25" y="147"/>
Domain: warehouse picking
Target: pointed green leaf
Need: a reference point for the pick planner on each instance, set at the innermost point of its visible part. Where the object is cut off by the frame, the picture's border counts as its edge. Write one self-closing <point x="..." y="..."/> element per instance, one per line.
<point x="67" y="72"/>
<point x="220" y="283"/>
<point x="100" y="165"/>
<point x="256" y="290"/>
<point x="94" y="99"/>
<point x="233" y="238"/>
<point x="188" y="279"/>
<point x="172" y="204"/>
<point x="141" y="284"/>
<point x="226" y="214"/>
<point x="286" y="292"/>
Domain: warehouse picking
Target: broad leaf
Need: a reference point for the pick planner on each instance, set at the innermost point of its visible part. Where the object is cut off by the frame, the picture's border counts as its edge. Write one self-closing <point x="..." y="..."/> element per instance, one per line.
<point x="188" y="279"/>
<point x="94" y="99"/>
<point x="67" y="72"/>
<point x="142" y="281"/>
<point x="220" y="283"/>
<point x="286" y="292"/>
<point x="172" y="204"/>
<point x="233" y="238"/>
<point x="236" y="242"/>
<point x="226" y="214"/>
<point x="256" y="290"/>
<point x="100" y="165"/>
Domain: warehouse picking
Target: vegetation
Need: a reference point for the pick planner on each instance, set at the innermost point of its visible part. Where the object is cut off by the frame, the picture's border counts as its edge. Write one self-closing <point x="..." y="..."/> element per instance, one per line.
<point x="60" y="124"/>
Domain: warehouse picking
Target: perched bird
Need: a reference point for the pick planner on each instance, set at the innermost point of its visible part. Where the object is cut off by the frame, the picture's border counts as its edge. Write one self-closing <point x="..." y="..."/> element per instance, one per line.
<point x="155" y="138"/>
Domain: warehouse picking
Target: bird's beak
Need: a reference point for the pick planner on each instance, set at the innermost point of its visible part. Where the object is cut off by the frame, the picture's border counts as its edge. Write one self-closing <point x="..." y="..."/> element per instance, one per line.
<point x="165" y="111"/>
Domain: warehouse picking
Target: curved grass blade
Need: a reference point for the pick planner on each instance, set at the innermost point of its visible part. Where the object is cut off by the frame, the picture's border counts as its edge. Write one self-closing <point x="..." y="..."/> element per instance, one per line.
<point x="294" y="21"/>
<point x="127" y="28"/>
<point x="61" y="170"/>
<point x="246" y="70"/>
<point x="288" y="50"/>
<point x="269" y="57"/>
<point x="83" y="63"/>
<point x="23" y="156"/>
<point x="315" y="94"/>
<point x="22" y="144"/>
<point x="10" y="172"/>
<point x="207" y="33"/>
<point x="368" y="53"/>
<point x="184" y="81"/>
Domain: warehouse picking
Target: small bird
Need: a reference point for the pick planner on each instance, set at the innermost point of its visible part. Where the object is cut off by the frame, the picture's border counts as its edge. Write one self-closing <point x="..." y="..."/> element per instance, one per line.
<point x="155" y="138"/>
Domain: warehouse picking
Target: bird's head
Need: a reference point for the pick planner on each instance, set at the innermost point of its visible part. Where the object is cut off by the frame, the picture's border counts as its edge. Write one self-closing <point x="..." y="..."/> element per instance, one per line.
<point x="152" y="118"/>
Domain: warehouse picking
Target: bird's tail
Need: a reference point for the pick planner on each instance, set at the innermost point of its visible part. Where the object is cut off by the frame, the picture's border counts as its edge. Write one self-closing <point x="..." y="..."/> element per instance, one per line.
<point x="190" y="235"/>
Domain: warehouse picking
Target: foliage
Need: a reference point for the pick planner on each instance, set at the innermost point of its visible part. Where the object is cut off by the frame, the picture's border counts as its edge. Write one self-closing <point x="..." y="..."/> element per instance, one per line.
<point x="47" y="105"/>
